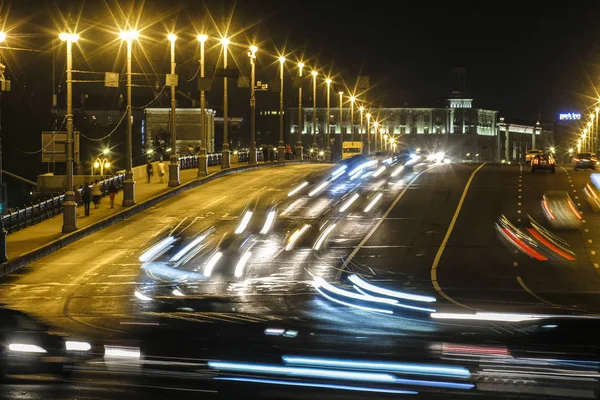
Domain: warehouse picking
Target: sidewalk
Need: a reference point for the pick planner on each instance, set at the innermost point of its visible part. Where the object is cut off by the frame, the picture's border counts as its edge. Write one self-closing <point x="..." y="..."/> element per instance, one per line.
<point x="35" y="236"/>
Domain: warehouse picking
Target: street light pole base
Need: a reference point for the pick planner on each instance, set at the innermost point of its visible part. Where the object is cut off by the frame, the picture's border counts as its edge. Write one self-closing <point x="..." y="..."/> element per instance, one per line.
<point x="299" y="150"/>
<point x="225" y="158"/>
<point x="328" y="154"/>
<point x="3" y="253"/>
<point x="281" y="152"/>
<point x="252" y="156"/>
<point x="202" y="163"/>
<point x="174" y="175"/>
<point x="129" y="192"/>
<point x="69" y="216"/>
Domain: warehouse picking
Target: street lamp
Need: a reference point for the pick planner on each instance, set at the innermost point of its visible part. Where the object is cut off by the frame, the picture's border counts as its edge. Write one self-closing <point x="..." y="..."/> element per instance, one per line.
<point x="3" y="233"/>
<point x="352" y="99"/>
<point x="129" y="183"/>
<point x="252" y="155"/>
<point x="174" y="164"/>
<point x="368" y="133"/>
<point x="225" y="162"/>
<point x="69" y="206"/>
<point x="341" y="123"/>
<point x="101" y="163"/>
<point x="299" y="143"/>
<point x="314" y="114"/>
<point x="328" y="123"/>
<point x="202" y="157"/>
<point x="281" y="147"/>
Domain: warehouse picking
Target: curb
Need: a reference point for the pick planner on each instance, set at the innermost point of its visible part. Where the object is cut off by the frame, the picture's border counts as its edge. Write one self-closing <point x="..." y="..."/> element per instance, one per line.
<point x="42" y="251"/>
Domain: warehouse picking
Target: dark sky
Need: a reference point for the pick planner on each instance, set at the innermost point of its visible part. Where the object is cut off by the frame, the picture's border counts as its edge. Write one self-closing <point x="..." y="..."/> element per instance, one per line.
<point x="522" y="58"/>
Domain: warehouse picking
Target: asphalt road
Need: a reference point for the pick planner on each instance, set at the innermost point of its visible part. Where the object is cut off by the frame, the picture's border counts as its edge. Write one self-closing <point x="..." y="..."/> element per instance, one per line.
<point x="427" y="230"/>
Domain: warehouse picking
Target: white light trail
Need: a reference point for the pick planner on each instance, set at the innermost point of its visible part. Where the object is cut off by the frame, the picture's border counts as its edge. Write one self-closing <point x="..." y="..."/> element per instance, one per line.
<point x="245" y="221"/>
<point x="319" y="188"/>
<point x="188" y="247"/>
<point x="210" y="265"/>
<point x="26" y="348"/>
<point x="141" y="296"/>
<point x="239" y="268"/>
<point x="121" y="352"/>
<point x="77" y="346"/>
<point x="397" y="170"/>
<point x="363" y="166"/>
<point x="387" y="292"/>
<point x="268" y="222"/>
<point x="320" y="282"/>
<point x="485" y="316"/>
<point x="338" y="172"/>
<point x="157" y="248"/>
<point x="379" y="171"/>
<point x="323" y="236"/>
<point x="349" y="202"/>
<point x="304" y="372"/>
<point x="409" y="368"/>
<point x="299" y="188"/>
<point x="177" y="292"/>
<point x="295" y="236"/>
<point x="373" y="202"/>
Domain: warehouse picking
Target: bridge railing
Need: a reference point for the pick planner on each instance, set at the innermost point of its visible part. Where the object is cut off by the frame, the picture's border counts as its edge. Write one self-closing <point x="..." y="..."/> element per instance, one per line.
<point x="35" y="213"/>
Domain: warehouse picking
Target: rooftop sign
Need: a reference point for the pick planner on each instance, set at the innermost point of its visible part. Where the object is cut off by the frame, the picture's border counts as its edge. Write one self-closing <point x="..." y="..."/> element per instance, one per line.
<point x="570" y="116"/>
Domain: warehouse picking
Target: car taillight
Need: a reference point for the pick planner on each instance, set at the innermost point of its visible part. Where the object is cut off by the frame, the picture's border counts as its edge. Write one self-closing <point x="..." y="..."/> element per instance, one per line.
<point x="536" y="161"/>
<point x="576" y="159"/>
<point x="550" y="161"/>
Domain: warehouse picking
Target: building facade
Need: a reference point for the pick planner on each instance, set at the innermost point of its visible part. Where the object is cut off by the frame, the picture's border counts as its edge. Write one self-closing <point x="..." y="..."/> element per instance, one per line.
<point x="458" y="128"/>
<point x="157" y="121"/>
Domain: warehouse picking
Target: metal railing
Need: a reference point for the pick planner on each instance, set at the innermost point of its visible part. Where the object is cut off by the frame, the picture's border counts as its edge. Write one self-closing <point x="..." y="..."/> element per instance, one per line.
<point x="37" y="212"/>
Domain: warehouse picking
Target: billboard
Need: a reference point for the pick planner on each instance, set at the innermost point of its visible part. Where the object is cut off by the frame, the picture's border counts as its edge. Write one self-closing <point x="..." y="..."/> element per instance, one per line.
<point x="569" y="116"/>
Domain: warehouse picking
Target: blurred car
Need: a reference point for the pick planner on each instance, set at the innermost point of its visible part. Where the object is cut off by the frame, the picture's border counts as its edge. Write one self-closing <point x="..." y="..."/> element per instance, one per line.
<point x="585" y="160"/>
<point x="531" y="154"/>
<point x="544" y="162"/>
<point x="592" y="193"/>
<point x="560" y="210"/>
<point x="26" y="346"/>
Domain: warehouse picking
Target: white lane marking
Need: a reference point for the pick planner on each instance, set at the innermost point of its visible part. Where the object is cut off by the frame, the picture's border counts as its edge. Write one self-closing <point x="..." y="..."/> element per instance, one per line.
<point x="438" y="256"/>
<point x="383" y="217"/>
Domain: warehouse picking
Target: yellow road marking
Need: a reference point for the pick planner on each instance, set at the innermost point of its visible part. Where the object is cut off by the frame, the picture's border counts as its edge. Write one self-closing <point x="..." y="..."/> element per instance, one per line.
<point x="440" y="252"/>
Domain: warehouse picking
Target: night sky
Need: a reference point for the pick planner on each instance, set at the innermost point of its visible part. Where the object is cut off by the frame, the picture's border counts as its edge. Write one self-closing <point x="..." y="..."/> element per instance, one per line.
<point x="522" y="58"/>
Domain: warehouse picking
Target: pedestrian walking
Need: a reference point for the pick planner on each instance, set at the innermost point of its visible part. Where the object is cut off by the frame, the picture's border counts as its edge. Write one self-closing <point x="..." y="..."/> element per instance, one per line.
<point x="76" y="196"/>
<point x="161" y="170"/>
<point x="86" y="197"/>
<point x="112" y="192"/>
<point x="149" y="170"/>
<point x="96" y="194"/>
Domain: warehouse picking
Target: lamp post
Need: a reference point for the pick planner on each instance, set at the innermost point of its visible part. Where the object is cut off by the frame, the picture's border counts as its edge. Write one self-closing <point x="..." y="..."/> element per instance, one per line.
<point x="341" y="123"/>
<point x="597" y="138"/>
<point x="360" y="128"/>
<point x="101" y="163"/>
<point x="202" y="157"/>
<point x="225" y="161"/>
<point x="385" y="141"/>
<point x="352" y="99"/>
<point x="314" y="114"/>
<point x="584" y="139"/>
<point x="281" y="147"/>
<point x="174" y="164"/>
<point x="299" y="143"/>
<point x="328" y="123"/>
<point x="69" y="206"/>
<point x="376" y="126"/>
<point x="368" y="133"/>
<point x="129" y="183"/>
<point x="3" y="233"/>
<point x="589" y="139"/>
<point x="252" y="155"/>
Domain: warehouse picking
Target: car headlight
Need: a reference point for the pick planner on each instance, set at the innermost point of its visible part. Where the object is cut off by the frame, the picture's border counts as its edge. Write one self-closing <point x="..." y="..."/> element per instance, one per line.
<point x="77" y="346"/>
<point x="26" y="348"/>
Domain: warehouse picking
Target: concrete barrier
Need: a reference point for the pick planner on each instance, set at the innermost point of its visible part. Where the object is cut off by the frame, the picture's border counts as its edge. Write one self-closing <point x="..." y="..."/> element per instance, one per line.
<point x="42" y="251"/>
